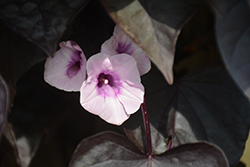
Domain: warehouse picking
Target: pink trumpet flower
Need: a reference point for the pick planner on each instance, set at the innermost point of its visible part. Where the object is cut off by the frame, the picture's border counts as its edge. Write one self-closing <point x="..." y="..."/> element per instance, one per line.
<point x="67" y="69"/>
<point x="113" y="89"/>
<point x="120" y="42"/>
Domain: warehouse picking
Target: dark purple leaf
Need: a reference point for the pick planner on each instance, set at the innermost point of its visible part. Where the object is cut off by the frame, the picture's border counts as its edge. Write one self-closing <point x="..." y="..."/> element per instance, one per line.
<point x="111" y="150"/>
<point x="154" y="26"/>
<point x="3" y="102"/>
<point x="47" y="123"/>
<point x="233" y="36"/>
<point x="36" y="103"/>
<point x="31" y="111"/>
<point x="41" y="22"/>
<point x="204" y="105"/>
<point x="16" y="56"/>
<point x="37" y="110"/>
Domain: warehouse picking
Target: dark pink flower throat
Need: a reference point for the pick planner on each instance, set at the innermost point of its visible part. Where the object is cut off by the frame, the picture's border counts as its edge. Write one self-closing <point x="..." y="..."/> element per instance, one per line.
<point x="105" y="79"/>
<point x="75" y="64"/>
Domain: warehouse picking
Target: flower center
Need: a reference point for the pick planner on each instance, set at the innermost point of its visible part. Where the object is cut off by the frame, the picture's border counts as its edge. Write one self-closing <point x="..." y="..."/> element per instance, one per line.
<point x="105" y="79"/>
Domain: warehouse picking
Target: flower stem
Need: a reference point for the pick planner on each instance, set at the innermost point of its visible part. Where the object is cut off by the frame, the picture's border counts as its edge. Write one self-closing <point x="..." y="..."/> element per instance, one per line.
<point x="147" y="127"/>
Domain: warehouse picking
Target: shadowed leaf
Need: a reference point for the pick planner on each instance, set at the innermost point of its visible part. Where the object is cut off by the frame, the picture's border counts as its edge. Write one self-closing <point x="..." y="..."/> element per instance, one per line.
<point x="152" y="26"/>
<point x="110" y="149"/>
<point x="233" y="36"/>
<point x="41" y="22"/>
<point x="204" y="105"/>
<point x="30" y="113"/>
<point x="36" y="101"/>
<point x="16" y="56"/>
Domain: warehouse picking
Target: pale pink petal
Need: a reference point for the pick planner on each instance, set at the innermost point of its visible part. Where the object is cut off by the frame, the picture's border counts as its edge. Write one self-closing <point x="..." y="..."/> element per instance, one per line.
<point x="108" y="108"/>
<point x="67" y="69"/>
<point x="120" y="42"/>
<point x="131" y="96"/>
<point x="109" y="45"/>
<point x="98" y="63"/>
<point x="124" y="43"/>
<point x="114" y="111"/>
<point x="143" y="62"/>
<point x="126" y="68"/>
<point x="122" y="65"/>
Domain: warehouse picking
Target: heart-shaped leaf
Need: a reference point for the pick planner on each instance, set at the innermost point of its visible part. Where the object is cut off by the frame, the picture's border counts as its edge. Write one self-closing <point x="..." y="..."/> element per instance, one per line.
<point x="32" y="106"/>
<point x="36" y="102"/>
<point x="41" y="22"/>
<point x="204" y="105"/>
<point x="58" y="122"/>
<point x="233" y="36"/>
<point x="16" y="56"/>
<point x="154" y="26"/>
<point x="110" y="149"/>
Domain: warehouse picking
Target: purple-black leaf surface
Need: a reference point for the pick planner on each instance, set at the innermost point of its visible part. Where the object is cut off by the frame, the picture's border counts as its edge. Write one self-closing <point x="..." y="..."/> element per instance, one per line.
<point x="233" y="37"/>
<point x="17" y="55"/>
<point x="204" y="105"/>
<point x="47" y="123"/>
<point x="41" y="22"/>
<point x="37" y="103"/>
<point x="109" y="149"/>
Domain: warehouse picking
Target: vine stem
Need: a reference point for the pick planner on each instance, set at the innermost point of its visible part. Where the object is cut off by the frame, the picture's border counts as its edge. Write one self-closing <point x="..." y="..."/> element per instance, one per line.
<point x="147" y="127"/>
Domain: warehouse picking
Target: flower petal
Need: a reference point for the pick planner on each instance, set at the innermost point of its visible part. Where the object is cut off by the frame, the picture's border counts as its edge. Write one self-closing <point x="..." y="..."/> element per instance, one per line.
<point x="120" y="42"/>
<point x="109" y="108"/>
<point x="122" y="65"/>
<point x="143" y="62"/>
<point x="67" y="69"/>
<point x="125" y="67"/>
<point x="109" y="46"/>
<point x="97" y="63"/>
<point x="131" y="96"/>
<point x="115" y="101"/>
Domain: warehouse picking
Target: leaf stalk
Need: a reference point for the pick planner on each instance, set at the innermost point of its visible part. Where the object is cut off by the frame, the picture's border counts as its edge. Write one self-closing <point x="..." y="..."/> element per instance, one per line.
<point x="147" y="127"/>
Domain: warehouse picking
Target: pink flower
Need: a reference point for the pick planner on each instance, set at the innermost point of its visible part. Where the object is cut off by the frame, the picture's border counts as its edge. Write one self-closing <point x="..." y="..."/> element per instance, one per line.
<point x="67" y="69"/>
<point x="113" y="89"/>
<point x="120" y="42"/>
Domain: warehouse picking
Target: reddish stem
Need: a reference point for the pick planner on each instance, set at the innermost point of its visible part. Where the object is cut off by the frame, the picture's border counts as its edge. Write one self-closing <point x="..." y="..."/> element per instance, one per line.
<point x="147" y="127"/>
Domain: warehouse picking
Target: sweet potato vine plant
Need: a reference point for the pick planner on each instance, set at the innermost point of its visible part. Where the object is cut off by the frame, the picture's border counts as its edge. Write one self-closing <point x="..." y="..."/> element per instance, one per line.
<point x="124" y="83"/>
